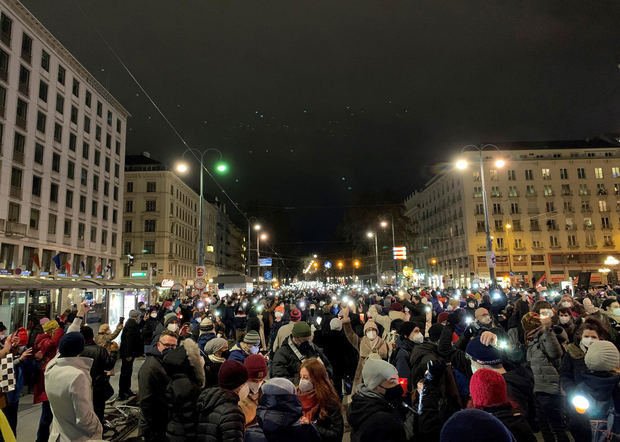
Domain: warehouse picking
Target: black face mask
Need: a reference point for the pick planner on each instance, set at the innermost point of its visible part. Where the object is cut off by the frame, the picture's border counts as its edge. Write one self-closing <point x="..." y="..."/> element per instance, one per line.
<point x="226" y="354"/>
<point x="394" y="394"/>
<point x="304" y="347"/>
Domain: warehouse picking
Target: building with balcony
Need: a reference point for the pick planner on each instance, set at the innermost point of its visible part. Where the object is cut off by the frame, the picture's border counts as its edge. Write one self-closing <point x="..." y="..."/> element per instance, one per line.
<point x="560" y="199"/>
<point x="161" y="226"/>
<point x="62" y="151"/>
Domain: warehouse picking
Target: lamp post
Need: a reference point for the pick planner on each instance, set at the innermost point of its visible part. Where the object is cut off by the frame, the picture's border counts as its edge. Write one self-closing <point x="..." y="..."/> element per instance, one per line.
<point x="508" y="226"/>
<point x="370" y="235"/>
<point x="462" y="164"/>
<point x="384" y="225"/>
<point x="220" y="167"/>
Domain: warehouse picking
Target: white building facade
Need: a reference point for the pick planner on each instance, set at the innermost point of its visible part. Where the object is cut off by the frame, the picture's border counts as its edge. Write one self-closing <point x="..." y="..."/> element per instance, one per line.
<point x="62" y="151"/>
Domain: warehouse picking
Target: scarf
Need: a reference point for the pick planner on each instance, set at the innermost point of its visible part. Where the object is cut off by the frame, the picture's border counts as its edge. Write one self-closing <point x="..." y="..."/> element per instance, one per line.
<point x="367" y="347"/>
<point x="309" y="405"/>
<point x="216" y="359"/>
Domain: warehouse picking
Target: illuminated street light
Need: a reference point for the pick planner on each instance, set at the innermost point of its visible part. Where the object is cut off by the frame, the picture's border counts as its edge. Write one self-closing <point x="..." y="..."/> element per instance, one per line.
<point x="257" y="226"/>
<point x="508" y="226"/>
<point x="500" y="163"/>
<point x="340" y="264"/>
<point x="611" y="261"/>
<point x="182" y="167"/>
<point x="461" y="164"/>
<point x="370" y="234"/>
<point x="315" y="256"/>
<point x="221" y="167"/>
<point x="384" y="224"/>
<point x="357" y="263"/>
<point x="263" y="236"/>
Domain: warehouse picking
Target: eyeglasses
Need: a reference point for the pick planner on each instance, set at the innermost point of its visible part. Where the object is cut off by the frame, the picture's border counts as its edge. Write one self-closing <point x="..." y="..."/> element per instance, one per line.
<point x="170" y="346"/>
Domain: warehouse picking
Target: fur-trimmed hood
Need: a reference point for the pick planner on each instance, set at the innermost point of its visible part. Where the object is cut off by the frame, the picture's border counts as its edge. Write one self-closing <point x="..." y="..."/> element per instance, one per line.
<point x="186" y="358"/>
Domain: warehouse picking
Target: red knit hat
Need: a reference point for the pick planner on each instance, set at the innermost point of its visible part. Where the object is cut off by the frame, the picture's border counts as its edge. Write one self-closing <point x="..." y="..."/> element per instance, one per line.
<point x="397" y="306"/>
<point x="488" y="388"/>
<point x="443" y="316"/>
<point x="232" y="374"/>
<point x="256" y="366"/>
<point x="295" y="315"/>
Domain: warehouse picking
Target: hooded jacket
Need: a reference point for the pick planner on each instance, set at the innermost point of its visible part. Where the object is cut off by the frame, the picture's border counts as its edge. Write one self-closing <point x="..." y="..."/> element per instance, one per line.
<point x="69" y="392"/>
<point x="572" y="368"/>
<point x="220" y="418"/>
<point x="152" y="382"/>
<point x="420" y="355"/>
<point x="603" y="392"/>
<point x="185" y="367"/>
<point x="543" y="354"/>
<point x="372" y="418"/>
<point x="401" y="356"/>
<point x="278" y="421"/>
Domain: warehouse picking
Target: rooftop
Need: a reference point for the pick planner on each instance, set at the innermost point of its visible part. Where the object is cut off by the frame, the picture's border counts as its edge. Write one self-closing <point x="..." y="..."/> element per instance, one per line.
<point x="142" y="162"/>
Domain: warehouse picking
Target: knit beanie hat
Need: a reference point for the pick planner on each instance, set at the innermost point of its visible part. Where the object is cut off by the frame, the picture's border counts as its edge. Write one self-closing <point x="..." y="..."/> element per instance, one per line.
<point x="256" y="366"/>
<point x="474" y="425"/>
<point x="443" y="316"/>
<point x="335" y="324"/>
<point x="232" y="375"/>
<point x="167" y="304"/>
<point x="530" y="321"/>
<point x="483" y="354"/>
<point x="87" y="332"/>
<point x="488" y="388"/>
<point x="170" y="317"/>
<point x="376" y="371"/>
<point x="301" y="329"/>
<point x="406" y="328"/>
<point x="214" y="345"/>
<point x="252" y="338"/>
<point x="602" y="356"/>
<point x="396" y="306"/>
<point x="43" y="321"/>
<point x="206" y="325"/>
<point x="134" y="314"/>
<point x="22" y="334"/>
<point x="71" y="344"/>
<point x="295" y="315"/>
<point x="370" y="325"/>
<point x="280" y="309"/>
<point x="50" y="326"/>
<point x="541" y="305"/>
<point x="278" y="387"/>
<point x="434" y="333"/>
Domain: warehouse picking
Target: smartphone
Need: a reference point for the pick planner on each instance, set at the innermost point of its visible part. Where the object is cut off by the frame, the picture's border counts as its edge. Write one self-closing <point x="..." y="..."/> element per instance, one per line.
<point x="89" y="302"/>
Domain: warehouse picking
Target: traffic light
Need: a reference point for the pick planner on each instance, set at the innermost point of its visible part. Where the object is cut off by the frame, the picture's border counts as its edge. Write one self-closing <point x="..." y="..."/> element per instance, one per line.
<point x="357" y="264"/>
<point x="340" y="264"/>
<point x="131" y="257"/>
<point x="433" y="261"/>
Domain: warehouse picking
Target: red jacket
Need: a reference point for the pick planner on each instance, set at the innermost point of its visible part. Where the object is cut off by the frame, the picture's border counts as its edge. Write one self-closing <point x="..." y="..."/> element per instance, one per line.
<point x="48" y="346"/>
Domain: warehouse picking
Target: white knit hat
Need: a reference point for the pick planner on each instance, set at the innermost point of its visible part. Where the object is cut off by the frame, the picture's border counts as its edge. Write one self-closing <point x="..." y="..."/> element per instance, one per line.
<point x="335" y="324"/>
<point x="376" y="371"/>
<point x="602" y="356"/>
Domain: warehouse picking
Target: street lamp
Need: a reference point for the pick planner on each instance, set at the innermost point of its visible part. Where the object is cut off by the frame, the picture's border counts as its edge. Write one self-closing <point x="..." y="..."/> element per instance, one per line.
<point x="462" y="164"/>
<point x="508" y="227"/>
<point x="370" y="235"/>
<point x="384" y="224"/>
<point x="260" y="237"/>
<point x="183" y="167"/>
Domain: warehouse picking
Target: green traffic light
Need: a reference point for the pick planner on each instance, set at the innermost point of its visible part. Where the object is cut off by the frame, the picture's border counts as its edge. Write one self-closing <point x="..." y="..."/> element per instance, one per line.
<point x="221" y="167"/>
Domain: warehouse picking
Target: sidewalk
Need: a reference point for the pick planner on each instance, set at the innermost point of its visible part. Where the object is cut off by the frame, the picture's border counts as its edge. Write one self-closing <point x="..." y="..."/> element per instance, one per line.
<point x="29" y="414"/>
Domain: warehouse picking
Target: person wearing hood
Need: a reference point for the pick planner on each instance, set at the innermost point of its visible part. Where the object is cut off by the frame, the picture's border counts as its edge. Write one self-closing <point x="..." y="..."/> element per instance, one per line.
<point x="366" y="346"/>
<point x="149" y="325"/>
<point x="105" y="336"/>
<point x="185" y="368"/>
<point x="544" y="354"/>
<point x="297" y="348"/>
<point x="68" y="388"/>
<point x="279" y="416"/>
<point x="321" y="405"/>
<point x="338" y="351"/>
<point x="408" y="337"/>
<point x="600" y="385"/>
<point x="220" y="419"/>
<point x="382" y="322"/>
<point x="472" y="306"/>
<point x="257" y="372"/>
<point x="489" y="393"/>
<point x="131" y="347"/>
<point x="374" y="412"/>
<point x="207" y="332"/>
<point x="103" y="362"/>
<point x="152" y="383"/>
<point x="216" y="352"/>
<point x="474" y="425"/>
<point x="250" y="345"/>
<point x="573" y="367"/>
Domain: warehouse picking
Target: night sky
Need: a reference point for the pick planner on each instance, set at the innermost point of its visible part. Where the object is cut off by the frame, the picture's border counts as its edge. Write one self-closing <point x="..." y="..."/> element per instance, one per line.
<point x="325" y="104"/>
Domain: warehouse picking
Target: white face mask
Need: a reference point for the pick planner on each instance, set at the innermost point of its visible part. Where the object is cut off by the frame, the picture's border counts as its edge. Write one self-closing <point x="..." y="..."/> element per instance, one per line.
<point x="546" y="313"/>
<point x="254" y="349"/>
<point x="616" y="311"/>
<point x="254" y="386"/>
<point x="244" y="391"/>
<point x="485" y="320"/>
<point x="587" y="341"/>
<point x="471" y="304"/>
<point x="173" y="327"/>
<point x="418" y="338"/>
<point x="279" y="314"/>
<point x="305" y="386"/>
<point x="371" y="334"/>
<point x="154" y="315"/>
<point x="564" y="319"/>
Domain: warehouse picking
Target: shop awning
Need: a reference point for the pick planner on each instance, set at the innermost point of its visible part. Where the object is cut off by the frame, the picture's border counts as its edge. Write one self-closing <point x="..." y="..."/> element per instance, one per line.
<point x="11" y="282"/>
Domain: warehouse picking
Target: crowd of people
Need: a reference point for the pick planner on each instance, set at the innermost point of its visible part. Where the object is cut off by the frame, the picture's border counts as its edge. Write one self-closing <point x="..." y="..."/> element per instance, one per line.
<point x="311" y="364"/>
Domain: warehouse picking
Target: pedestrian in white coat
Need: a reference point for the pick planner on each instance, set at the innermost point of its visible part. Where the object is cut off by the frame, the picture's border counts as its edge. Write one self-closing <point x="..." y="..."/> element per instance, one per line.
<point x="68" y="387"/>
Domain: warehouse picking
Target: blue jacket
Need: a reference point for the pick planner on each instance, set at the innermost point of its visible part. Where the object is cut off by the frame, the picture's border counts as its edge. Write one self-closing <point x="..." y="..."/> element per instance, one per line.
<point x="278" y="421"/>
<point x="203" y="339"/>
<point x="401" y="359"/>
<point x="237" y="354"/>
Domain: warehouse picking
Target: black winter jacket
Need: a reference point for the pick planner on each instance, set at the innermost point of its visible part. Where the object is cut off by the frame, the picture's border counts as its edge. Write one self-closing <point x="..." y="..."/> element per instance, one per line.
<point x="148" y="330"/>
<point x="572" y="368"/>
<point x="420" y="355"/>
<point x="152" y="382"/>
<point x="102" y="362"/>
<point x="520" y="388"/>
<point x="331" y="428"/>
<point x="286" y="364"/>
<point x="219" y="417"/>
<point x="514" y="421"/>
<point x="341" y="354"/>
<point x="373" y="419"/>
<point x="131" y="342"/>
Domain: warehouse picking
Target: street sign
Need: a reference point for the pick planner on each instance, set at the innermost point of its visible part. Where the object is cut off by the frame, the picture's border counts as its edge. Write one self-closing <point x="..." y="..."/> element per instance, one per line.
<point x="200" y="283"/>
<point x="328" y="265"/>
<point x="400" y="253"/>
<point x="138" y="274"/>
<point x="268" y="275"/>
<point x="200" y="271"/>
<point x="265" y="262"/>
<point x="491" y="260"/>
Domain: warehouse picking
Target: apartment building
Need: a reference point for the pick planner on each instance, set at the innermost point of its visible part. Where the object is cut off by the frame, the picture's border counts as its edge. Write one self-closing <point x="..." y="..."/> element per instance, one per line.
<point x="62" y="150"/>
<point x="554" y="211"/>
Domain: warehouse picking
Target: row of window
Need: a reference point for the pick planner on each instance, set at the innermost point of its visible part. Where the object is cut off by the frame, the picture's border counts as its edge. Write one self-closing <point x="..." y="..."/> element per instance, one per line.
<point x="545" y="174"/>
<point x="548" y="190"/>
<point x="554" y="242"/>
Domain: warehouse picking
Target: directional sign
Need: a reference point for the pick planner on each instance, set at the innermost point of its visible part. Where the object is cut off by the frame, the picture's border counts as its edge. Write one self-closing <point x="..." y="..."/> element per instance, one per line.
<point x="265" y="262"/>
<point x="400" y="253"/>
<point x="200" y="271"/>
<point x="268" y="275"/>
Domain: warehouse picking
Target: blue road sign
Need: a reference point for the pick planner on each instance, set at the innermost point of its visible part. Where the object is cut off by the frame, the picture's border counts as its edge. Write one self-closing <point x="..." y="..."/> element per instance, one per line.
<point x="268" y="275"/>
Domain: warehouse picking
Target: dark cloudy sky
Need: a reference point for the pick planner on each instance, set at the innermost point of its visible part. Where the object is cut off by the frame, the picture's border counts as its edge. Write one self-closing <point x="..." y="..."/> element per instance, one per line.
<point x="316" y="103"/>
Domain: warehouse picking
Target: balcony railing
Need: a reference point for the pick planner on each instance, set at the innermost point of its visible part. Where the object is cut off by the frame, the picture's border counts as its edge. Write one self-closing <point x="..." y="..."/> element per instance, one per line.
<point x="15" y="229"/>
<point x="18" y="156"/>
<point x="15" y="192"/>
